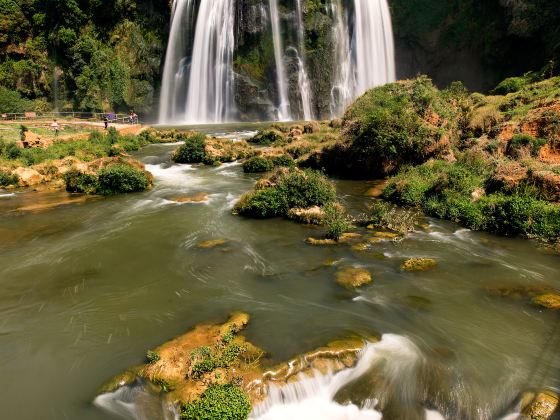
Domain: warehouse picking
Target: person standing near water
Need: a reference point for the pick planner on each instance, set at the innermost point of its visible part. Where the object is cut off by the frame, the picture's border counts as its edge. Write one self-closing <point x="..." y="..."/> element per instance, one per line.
<point x="106" y="122"/>
<point x="56" y="127"/>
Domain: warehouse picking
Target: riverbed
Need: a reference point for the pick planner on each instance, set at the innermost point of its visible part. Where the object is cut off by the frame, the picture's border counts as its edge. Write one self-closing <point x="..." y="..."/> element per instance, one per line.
<point x="89" y="286"/>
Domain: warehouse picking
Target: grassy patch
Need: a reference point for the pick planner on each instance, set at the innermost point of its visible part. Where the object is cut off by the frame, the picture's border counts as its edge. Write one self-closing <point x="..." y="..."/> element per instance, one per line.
<point x="219" y="402"/>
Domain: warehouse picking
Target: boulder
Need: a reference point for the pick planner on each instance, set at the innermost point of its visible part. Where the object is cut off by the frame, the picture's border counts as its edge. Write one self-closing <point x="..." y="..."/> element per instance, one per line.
<point x="542" y="407"/>
<point x="311" y="216"/>
<point x="28" y="177"/>
<point x="547" y="301"/>
<point x="353" y="277"/>
<point x="419" y="264"/>
<point x="311" y="127"/>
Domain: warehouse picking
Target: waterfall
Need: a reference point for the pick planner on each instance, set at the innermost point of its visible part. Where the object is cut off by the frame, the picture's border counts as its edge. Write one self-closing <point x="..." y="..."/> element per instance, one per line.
<point x="210" y="93"/>
<point x="203" y="91"/>
<point x="342" y="90"/>
<point x="284" y="106"/>
<point x="198" y="77"/>
<point x="303" y="79"/>
<point x="366" y="60"/>
<point x="182" y="16"/>
<point x="373" y="43"/>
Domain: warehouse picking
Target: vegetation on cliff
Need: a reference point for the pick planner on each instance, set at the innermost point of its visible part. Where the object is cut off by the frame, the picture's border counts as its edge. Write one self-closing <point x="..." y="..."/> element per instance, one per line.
<point x="91" y="56"/>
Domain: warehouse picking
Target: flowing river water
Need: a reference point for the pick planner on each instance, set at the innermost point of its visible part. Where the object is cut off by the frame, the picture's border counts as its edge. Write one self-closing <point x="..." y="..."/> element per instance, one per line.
<point x="88" y="287"/>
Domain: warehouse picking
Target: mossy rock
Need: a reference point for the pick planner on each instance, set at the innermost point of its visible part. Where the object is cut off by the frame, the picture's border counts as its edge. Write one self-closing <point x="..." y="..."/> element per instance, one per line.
<point x="542" y="407"/>
<point x="353" y="277"/>
<point x="212" y="243"/>
<point x="419" y="264"/>
<point x="547" y="301"/>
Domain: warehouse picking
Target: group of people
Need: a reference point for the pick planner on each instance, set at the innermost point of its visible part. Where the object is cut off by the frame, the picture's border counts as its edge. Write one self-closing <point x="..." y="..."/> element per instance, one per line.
<point x="132" y="118"/>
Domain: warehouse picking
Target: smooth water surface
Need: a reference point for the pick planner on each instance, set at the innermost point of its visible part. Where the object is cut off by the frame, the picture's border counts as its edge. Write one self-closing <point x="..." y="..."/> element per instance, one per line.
<point x="88" y="287"/>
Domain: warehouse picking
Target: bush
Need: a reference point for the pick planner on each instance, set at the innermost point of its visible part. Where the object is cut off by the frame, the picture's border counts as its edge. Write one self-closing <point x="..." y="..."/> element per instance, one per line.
<point x="284" y="160"/>
<point x="257" y="164"/>
<point x="81" y="182"/>
<point x="266" y="138"/>
<point x="121" y="178"/>
<point x="192" y="151"/>
<point x="219" y="402"/>
<point x="395" y="125"/>
<point x="520" y="142"/>
<point x="152" y="356"/>
<point x="9" y="150"/>
<point x="336" y="221"/>
<point x="290" y="188"/>
<point x="7" y="178"/>
<point x="510" y="85"/>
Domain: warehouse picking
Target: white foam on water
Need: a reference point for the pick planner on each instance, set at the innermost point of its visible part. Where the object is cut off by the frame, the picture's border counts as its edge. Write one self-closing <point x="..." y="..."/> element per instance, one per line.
<point x="7" y="195"/>
<point x="313" y="398"/>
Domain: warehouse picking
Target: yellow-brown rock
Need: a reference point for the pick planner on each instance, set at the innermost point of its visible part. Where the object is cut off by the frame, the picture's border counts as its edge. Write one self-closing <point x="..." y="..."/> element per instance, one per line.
<point x="542" y="407"/>
<point x="353" y="277"/>
<point x="419" y="264"/>
<point x="211" y="244"/>
<point x="197" y="198"/>
<point x="547" y="301"/>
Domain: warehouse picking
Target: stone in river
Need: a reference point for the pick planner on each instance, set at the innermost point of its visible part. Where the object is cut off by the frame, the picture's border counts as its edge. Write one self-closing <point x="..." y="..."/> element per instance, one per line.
<point x="353" y="277"/>
<point x="419" y="264"/>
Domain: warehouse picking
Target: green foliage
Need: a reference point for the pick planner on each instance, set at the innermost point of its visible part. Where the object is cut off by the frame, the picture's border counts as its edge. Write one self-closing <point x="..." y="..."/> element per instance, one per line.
<point x="284" y="160"/>
<point x="121" y="178"/>
<point x="7" y="178"/>
<point x="223" y="354"/>
<point x="394" y="125"/>
<point x="163" y="384"/>
<point x="81" y="182"/>
<point x="292" y="188"/>
<point x="9" y="150"/>
<point x="11" y="101"/>
<point x="192" y="151"/>
<point x="152" y="356"/>
<point x="385" y="215"/>
<point x="257" y="164"/>
<point x="336" y="221"/>
<point x="510" y="85"/>
<point x="445" y="190"/>
<point x="525" y="141"/>
<point x="227" y="402"/>
<point x="267" y="137"/>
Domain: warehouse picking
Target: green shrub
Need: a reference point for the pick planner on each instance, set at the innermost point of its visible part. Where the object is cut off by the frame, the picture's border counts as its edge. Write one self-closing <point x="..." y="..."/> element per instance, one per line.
<point x="267" y="137"/>
<point x="292" y="188"/>
<point x="121" y="178"/>
<point x="336" y="221"/>
<point x="284" y="160"/>
<point x="525" y="141"/>
<point x="192" y="151"/>
<point x="7" y="178"/>
<point x="510" y="85"/>
<point x="257" y="164"/>
<point x="227" y="402"/>
<point x="152" y="356"/>
<point x="81" y="182"/>
<point x="9" y="150"/>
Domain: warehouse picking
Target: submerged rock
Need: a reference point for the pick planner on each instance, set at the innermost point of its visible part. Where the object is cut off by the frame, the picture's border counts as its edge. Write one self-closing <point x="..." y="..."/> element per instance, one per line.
<point x="419" y="264"/>
<point x="542" y="406"/>
<point x="197" y="198"/>
<point x="353" y="277"/>
<point x="211" y="244"/>
<point x="547" y="301"/>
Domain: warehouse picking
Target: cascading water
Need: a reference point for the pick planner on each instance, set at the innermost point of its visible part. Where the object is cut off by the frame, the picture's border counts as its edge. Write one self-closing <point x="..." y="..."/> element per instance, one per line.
<point x="284" y="105"/>
<point x="398" y="360"/>
<point x="210" y="97"/>
<point x="174" y="76"/>
<point x="198" y="78"/>
<point x="209" y="81"/>
<point x="373" y="45"/>
<point x="303" y="78"/>
<point x="368" y="59"/>
<point x="342" y="90"/>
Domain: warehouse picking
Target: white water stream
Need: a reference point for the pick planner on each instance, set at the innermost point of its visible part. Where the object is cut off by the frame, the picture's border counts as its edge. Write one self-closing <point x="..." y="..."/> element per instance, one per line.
<point x="282" y="86"/>
<point x="303" y="78"/>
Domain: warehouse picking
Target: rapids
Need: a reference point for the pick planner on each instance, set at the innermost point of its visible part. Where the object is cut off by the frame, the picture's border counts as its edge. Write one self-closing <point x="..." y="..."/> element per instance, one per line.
<point x="89" y="287"/>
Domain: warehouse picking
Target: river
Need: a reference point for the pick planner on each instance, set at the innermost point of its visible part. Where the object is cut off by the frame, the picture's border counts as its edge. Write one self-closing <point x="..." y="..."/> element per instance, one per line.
<point x="89" y="286"/>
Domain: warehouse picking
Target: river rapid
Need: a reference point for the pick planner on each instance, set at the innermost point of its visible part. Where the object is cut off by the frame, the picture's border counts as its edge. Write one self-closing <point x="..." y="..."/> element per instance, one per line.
<point x="88" y="287"/>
